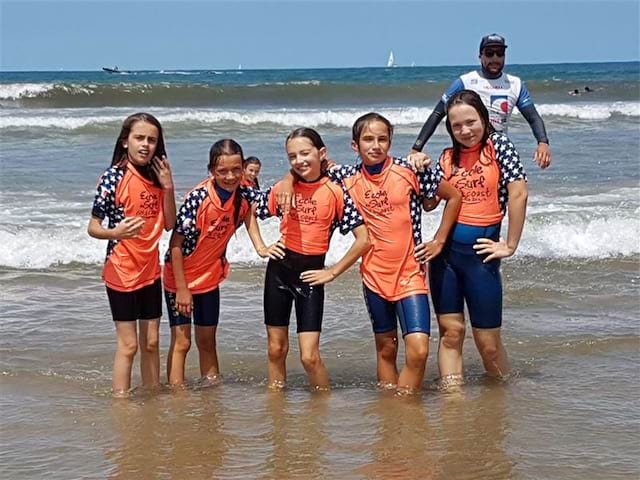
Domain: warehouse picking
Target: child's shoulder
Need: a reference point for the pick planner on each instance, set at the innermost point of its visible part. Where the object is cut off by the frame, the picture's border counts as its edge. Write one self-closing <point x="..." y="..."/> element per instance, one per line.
<point x="198" y="193"/>
<point x="111" y="177"/>
<point x="113" y="171"/>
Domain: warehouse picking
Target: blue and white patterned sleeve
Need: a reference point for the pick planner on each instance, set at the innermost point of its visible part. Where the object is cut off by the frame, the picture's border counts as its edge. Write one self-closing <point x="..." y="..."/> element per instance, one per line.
<point x="262" y="205"/>
<point x="438" y="170"/>
<point x="403" y="162"/>
<point x="340" y="172"/>
<point x="104" y="203"/>
<point x="257" y="198"/>
<point x="351" y="217"/>
<point x="188" y="212"/>
<point x="186" y="220"/>
<point x="429" y="182"/>
<point x="252" y="195"/>
<point x="427" y="179"/>
<point x="508" y="158"/>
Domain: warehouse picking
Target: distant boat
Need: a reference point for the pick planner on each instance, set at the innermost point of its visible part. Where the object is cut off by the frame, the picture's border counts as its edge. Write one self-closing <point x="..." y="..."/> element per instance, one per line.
<point x="390" y="61"/>
<point x="113" y="70"/>
<point x="239" y="66"/>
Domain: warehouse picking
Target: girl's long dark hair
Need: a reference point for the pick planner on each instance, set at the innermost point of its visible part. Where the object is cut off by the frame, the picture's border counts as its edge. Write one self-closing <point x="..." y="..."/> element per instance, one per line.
<point x="120" y="154"/>
<point x="315" y="139"/>
<point x="471" y="98"/>
<point x="227" y="146"/>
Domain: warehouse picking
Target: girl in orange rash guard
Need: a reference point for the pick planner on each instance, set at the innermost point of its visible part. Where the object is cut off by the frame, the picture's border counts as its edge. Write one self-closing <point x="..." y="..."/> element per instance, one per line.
<point x="389" y="196"/>
<point x="196" y="264"/>
<point x="295" y="272"/>
<point x="485" y="167"/>
<point x="136" y="196"/>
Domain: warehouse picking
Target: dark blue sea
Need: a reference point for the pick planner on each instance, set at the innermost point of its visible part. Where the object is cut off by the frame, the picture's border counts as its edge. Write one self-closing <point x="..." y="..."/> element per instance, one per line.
<point x="571" y="323"/>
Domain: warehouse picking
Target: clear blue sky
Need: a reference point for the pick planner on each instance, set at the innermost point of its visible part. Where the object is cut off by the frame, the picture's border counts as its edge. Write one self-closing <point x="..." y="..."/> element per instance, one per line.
<point x="53" y="35"/>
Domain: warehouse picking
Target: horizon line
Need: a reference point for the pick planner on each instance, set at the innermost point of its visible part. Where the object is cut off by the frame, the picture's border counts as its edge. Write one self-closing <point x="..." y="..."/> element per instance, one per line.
<point x="192" y="69"/>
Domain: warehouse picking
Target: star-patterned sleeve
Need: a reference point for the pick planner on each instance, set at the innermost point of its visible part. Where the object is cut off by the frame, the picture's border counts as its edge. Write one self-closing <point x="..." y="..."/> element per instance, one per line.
<point x="508" y="158"/>
<point x="259" y="198"/>
<point x="267" y="206"/>
<point x="186" y="224"/>
<point x="428" y="180"/>
<point x="511" y="168"/>
<point x="438" y="169"/>
<point x="340" y="172"/>
<point x="253" y="195"/>
<point x="104" y="203"/>
<point x="351" y="217"/>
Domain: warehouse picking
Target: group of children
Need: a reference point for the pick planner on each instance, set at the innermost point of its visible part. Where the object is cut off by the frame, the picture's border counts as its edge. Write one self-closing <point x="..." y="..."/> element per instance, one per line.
<point x="379" y="200"/>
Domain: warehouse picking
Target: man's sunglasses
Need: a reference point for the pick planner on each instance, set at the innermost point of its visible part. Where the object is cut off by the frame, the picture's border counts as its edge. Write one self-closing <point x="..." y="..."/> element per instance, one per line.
<point x="493" y="53"/>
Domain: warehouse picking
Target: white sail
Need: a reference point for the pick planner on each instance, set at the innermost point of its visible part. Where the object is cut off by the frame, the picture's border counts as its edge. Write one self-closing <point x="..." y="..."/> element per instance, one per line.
<point x="391" y="62"/>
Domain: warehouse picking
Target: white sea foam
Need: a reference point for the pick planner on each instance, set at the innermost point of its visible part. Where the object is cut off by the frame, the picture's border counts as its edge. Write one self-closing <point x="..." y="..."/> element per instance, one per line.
<point x="49" y="240"/>
<point x="13" y="91"/>
<point x="61" y="121"/>
<point x="593" y="111"/>
<point x="579" y="237"/>
<point x="71" y="119"/>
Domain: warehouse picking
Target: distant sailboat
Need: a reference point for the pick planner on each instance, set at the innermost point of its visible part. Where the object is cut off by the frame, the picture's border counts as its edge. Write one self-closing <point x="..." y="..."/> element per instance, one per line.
<point x="239" y="66"/>
<point x="391" y="62"/>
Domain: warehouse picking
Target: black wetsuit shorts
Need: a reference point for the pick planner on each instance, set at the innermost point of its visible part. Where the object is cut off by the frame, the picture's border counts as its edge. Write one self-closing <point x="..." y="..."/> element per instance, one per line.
<point x="283" y="288"/>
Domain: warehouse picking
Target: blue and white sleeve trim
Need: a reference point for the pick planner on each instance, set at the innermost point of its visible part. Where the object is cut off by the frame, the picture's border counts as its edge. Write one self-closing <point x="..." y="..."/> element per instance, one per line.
<point x="351" y="217"/>
<point x="186" y="219"/>
<point x="511" y="168"/>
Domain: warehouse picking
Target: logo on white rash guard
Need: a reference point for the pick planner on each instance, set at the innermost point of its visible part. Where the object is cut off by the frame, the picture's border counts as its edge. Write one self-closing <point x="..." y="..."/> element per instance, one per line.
<point x="498" y="111"/>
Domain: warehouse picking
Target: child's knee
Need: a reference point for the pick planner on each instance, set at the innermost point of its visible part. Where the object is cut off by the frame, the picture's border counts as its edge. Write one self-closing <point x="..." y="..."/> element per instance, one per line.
<point x="128" y="347"/>
<point x="151" y="345"/>
<point x="277" y="351"/>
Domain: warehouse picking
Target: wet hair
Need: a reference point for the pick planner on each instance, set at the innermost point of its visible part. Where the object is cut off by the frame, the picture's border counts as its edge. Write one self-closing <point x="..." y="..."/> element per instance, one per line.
<point x="308" y="133"/>
<point x="367" y="119"/>
<point x="315" y="139"/>
<point x="120" y="154"/>
<point x="252" y="161"/>
<point x="471" y="98"/>
<point x="222" y="147"/>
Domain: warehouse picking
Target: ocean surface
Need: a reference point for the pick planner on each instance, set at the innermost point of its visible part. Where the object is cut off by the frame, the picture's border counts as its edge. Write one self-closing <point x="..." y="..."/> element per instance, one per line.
<point x="570" y="410"/>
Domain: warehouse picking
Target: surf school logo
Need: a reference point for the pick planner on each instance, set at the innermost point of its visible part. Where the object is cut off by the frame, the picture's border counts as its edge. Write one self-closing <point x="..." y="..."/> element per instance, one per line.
<point x="148" y="205"/>
<point x="500" y="103"/>
<point x="306" y="211"/>
<point x="378" y="202"/>
<point x="218" y="228"/>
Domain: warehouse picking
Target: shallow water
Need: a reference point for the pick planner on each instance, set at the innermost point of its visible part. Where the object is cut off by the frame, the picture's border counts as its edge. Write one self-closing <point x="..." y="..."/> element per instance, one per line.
<point x="569" y="410"/>
<point x="571" y="321"/>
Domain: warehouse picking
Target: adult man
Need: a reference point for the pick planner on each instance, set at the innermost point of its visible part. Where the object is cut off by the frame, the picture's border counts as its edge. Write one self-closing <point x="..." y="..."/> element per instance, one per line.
<point x="500" y="92"/>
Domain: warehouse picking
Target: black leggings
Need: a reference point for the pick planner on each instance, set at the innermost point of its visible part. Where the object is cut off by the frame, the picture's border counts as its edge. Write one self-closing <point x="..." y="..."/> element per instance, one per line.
<point x="282" y="287"/>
